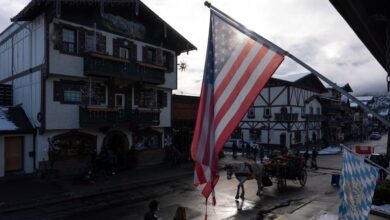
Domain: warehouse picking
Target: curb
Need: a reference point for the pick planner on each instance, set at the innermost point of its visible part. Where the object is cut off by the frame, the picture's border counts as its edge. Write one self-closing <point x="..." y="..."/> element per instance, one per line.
<point x="29" y="204"/>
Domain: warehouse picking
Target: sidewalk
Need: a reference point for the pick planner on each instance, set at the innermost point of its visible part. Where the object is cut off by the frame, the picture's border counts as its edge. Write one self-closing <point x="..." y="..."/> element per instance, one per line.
<point x="30" y="191"/>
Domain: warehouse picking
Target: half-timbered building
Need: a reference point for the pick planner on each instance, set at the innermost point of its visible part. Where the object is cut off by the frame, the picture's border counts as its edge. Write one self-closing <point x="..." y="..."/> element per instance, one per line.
<point x="92" y="75"/>
<point x="287" y="112"/>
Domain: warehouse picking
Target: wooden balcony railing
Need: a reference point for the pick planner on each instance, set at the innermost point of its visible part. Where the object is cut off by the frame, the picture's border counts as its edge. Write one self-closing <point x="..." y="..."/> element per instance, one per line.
<point x="93" y="117"/>
<point x="109" y="66"/>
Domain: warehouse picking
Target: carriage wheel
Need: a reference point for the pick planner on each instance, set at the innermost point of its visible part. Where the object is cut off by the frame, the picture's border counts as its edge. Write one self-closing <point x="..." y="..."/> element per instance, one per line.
<point x="303" y="177"/>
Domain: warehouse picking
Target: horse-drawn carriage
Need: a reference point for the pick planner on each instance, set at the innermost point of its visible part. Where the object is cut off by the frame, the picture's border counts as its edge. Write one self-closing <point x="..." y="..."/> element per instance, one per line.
<point x="282" y="168"/>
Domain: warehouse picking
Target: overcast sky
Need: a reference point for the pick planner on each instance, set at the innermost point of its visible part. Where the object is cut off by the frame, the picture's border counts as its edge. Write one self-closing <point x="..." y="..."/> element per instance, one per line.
<point x="312" y="30"/>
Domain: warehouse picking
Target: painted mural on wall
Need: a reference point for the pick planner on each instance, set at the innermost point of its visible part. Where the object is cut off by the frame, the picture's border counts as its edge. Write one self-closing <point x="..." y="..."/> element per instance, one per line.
<point x="121" y="25"/>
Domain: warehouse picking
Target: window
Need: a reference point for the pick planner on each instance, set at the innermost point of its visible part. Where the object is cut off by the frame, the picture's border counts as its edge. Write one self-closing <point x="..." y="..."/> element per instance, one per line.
<point x="251" y="112"/>
<point x="283" y="111"/>
<point x="267" y="112"/>
<point x="147" y="98"/>
<point x="72" y="93"/>
<point x="150" y="55"/>
<point x="124" y="53"/>
<point x="298" y="138"/>
<point x="68" y="41"/>
<point x="162" y="99"/>
<point x="120" y="101"/>
<point x="90" y="42"/>
<point x="255" y="134"/>
<point x="318" y="111"/>
<point x="311" y="110"/>
<point x="303" y="113"/>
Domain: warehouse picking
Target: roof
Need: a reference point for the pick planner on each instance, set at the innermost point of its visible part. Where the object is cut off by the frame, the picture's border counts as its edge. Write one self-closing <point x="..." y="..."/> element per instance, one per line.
<point x="345" y="86"/>
<point x="365" y="98"/>
<point x="384" y="112"/>
<point x="290" y="77"/>
<point x="36" y="7"/>
<point x="14" y="120"/>
<point x="369" y="21"/>
<point x="303" y="80"/>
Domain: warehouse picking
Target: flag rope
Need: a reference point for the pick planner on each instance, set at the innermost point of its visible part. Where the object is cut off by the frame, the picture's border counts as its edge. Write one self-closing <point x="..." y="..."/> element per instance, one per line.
<point x="258" y="37"/>
<point x="366" y="159"/>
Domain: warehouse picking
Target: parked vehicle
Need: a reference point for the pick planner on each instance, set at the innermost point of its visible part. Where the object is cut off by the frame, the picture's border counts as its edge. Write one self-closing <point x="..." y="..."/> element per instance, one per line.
<point x="375" y="136"/>
<point x="229" y="144"/>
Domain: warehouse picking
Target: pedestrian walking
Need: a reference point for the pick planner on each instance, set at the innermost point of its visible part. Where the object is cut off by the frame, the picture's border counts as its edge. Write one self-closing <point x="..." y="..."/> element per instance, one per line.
<point x="248" y="150"/>
<point x="261" y="152"/>
<point x="180" y="214"/>
<point x="314" y="154"/>
<point x="306" y="156"/>
<point x="234" y="150"/>
<point x="255" y="150"/>
<point x="153" y="210"/>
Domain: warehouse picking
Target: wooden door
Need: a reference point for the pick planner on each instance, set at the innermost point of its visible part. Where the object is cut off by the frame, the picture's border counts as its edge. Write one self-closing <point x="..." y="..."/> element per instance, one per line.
<point x="13" y="153"/>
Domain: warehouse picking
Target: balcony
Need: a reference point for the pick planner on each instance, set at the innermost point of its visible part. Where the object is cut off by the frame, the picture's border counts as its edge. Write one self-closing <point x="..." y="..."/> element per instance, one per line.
<point x="312" y="117"/>
<point x="109" y="66"/>
<point x="100" y="117"/>
<point x="286" y="117"/>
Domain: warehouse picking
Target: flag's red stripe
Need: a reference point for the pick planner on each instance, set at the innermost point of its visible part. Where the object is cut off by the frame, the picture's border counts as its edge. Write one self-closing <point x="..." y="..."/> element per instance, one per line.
<point x="199" y="120"/>
<point x="237" y="63"/>
<point x="241" y="83"/>
<point x="257" y="87"/>
<point x="200" y="173"/>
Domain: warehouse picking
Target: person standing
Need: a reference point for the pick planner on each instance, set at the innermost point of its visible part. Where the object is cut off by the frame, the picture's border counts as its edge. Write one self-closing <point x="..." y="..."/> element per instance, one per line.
<point x="248" y="150"/>
<point x="261" y="152"/>
<point x="234" y="150"/>
<point x="314" y="155"/>
<point x="153" y="210"/>
<point x="306" y="156"/>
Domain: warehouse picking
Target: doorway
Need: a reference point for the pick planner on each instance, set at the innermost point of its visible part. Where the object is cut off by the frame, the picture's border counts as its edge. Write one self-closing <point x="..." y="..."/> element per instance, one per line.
<point x="283" y="140"/>
<point x="117" y="143"/>
<point x="13" y="154"/>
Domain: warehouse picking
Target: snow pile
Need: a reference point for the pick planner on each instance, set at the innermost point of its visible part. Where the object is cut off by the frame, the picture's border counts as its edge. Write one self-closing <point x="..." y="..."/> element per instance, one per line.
<point x="382" y="208"/>
<point x="323" y="215"/>
<point x="5" y="124"/>
<point x="330" y="150"/>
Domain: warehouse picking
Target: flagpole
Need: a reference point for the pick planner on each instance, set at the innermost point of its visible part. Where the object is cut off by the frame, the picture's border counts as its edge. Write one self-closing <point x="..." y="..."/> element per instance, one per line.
<point x="280" y="50"/>
<point x="366" y="159"/>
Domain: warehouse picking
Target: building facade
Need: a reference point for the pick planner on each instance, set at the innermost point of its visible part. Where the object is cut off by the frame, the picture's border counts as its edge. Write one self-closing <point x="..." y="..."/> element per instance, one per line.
<point x="92" y="75"/>
<point x="286" y="114"/>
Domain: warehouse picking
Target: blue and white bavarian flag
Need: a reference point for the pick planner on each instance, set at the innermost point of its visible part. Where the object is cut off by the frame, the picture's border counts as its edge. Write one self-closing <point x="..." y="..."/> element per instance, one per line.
<point x="357" y="182"/>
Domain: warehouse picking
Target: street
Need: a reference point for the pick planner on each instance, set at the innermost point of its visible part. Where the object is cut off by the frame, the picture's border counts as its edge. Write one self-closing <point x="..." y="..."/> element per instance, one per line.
<point x="317" y="191"/>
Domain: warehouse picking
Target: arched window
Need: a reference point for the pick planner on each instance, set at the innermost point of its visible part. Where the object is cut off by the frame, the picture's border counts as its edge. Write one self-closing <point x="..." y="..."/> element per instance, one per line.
<point x="283" y="111"/>
<point x="311" y="110"/>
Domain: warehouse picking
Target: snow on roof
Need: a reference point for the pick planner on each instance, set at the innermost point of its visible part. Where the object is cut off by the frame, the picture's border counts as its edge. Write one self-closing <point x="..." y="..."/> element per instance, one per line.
<point x="384" y="112"/>
<point x="5" y="123"/>
<point x="290" y="77"/>
<point x="353" y="105"/>
<point x="365" y="98"/>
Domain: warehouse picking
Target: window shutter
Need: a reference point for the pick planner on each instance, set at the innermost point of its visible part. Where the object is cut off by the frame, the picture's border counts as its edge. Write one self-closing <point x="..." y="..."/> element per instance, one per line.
<point x="101" y="43"/>
<point x="57" y="91"/>
<point x="159" y="60"/>
<point x="170" y="62"/>
<point x="164" y="99"/>
<point x="133" y="51"/>
<point x="57" y="36"/>
<point x="81" y="39"/>
<point x="115" y="47"/>
<point x="144" y="54"/>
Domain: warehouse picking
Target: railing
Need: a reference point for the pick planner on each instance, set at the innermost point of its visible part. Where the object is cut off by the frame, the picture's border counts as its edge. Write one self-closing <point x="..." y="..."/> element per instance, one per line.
<point x="110" y="66"/>
<point x="286" y="117"/>
<point x="92" y="117"/>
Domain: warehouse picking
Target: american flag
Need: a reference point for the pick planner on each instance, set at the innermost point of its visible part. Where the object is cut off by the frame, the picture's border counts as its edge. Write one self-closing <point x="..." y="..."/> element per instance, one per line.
<point x="237" y="68"/>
